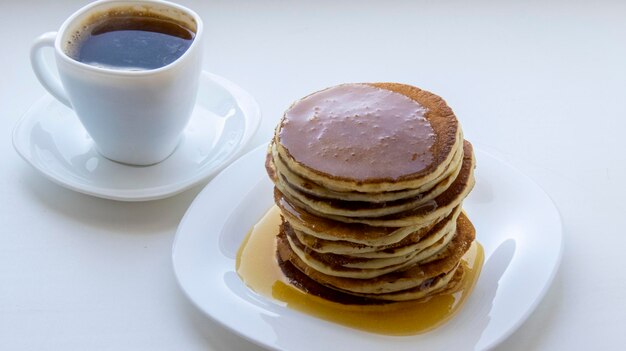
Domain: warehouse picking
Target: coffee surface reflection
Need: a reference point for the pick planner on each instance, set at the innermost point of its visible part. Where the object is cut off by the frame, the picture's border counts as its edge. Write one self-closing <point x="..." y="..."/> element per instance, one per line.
<point x="131" y="42"/>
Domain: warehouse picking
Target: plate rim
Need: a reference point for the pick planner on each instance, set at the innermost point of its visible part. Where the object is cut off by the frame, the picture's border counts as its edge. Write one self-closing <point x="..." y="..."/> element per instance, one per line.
<point x="252" y="117"/>
<point x="559" y="255"/>
<point x="495" y="341"/>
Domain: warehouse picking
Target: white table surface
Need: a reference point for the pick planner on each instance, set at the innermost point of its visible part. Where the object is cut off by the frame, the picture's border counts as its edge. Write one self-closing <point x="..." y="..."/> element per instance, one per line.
<point x="542" y="84"/>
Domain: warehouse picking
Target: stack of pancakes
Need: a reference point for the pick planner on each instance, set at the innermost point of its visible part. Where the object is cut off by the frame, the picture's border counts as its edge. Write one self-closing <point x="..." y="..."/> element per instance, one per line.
<point x="370" y="179"/>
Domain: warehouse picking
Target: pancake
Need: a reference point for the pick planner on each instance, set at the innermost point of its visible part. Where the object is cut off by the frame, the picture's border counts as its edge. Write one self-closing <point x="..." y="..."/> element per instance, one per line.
<point x="452" y="197"/>
<point x="328" y="229"/>
<point x="394" y="281"/>
<point x="363" y="268"/>
<point x="308" y="186"/>
<point x="437" y="285"/>
<point x="370" y="180"/>
<point x="361" y="208"/>
<point x="416" y="241"/>
<point x="363" y="149"/>
<point x="308" y="285"/>
<point x="420" y="216"/>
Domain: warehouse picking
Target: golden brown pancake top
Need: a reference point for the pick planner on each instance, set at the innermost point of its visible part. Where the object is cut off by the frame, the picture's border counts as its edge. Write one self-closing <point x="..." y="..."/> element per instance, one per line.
<point x="359" y="132"/>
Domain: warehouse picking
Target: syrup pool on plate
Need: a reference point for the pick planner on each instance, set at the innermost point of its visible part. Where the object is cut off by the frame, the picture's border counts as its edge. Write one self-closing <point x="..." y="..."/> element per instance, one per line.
<point x="258" y="268"/>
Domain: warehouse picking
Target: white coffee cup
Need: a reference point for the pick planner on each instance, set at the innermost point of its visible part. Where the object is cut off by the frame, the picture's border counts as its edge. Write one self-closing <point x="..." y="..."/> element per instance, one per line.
<point x="134" y="117"/>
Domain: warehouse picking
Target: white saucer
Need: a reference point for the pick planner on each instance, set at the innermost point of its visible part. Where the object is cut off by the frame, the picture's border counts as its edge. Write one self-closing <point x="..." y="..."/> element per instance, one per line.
<point x="516" y="222"/>
<point x="50" y="137"/>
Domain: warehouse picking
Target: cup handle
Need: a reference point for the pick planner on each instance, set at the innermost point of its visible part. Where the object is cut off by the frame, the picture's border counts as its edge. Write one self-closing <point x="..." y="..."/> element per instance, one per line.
<point x="42" y="70"/>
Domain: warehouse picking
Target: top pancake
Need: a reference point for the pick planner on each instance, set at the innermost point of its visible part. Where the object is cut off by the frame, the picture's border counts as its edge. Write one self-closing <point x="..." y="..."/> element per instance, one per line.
<point x="369" y="137"/>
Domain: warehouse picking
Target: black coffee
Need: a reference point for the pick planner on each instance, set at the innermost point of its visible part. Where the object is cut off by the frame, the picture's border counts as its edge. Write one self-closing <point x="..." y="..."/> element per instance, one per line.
<point x="133" y="42"/>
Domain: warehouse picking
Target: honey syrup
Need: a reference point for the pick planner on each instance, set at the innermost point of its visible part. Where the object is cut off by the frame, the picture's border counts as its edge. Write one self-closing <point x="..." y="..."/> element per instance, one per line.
<point x="258" y="268"/>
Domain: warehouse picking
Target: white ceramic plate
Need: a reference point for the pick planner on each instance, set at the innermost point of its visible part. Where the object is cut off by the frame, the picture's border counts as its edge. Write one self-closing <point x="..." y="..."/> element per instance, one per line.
<point x="50" y="138"/>
<point x="516" y="222"/>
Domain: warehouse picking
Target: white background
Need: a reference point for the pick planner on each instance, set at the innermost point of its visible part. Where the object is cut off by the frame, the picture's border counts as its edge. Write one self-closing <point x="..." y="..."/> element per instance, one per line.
<point x="542" y="84"/>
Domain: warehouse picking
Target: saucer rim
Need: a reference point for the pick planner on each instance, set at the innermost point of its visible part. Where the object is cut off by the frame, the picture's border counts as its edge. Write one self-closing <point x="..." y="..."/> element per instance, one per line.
<point x="252" y="117"/>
